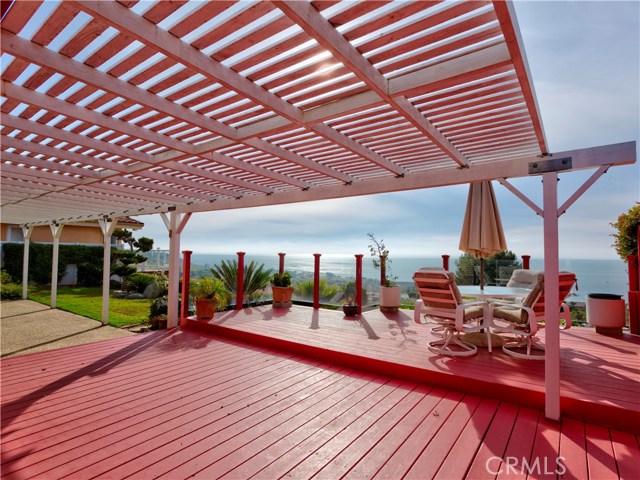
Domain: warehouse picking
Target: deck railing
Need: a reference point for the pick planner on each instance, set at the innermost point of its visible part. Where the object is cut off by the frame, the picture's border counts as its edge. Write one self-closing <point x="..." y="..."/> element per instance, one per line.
<point x="366" y="289"/>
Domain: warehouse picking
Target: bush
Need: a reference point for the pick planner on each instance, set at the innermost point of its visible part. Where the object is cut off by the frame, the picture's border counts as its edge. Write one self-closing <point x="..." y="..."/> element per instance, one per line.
<point x="5" y="278"/>
<point x="138" y="282"/>
<point x="41" y="256"/>
<point x="10" y="291"/>
<point x="626" y="240"/>
<point x="304" y="290"/>
<point x="89" y="275"/>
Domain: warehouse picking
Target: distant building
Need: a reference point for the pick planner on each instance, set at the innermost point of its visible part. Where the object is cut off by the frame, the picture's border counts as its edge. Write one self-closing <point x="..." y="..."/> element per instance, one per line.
<point x="84" y="233"/>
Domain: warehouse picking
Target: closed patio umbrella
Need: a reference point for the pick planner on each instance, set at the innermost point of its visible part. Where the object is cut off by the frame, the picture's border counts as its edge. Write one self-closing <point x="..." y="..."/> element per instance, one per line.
<point x="482" y="234"/>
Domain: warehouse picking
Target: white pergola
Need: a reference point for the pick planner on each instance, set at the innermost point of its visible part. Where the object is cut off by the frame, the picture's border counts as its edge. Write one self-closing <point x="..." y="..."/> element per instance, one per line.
<point x="131" y="108"/>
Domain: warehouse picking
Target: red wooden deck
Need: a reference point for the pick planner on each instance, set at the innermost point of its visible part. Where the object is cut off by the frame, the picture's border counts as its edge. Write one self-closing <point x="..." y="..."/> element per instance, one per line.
<point x="600" y="375"/>
<point x="183" y="403"/>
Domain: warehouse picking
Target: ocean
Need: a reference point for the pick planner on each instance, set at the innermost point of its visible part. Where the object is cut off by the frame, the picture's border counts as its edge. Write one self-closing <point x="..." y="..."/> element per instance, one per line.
<point x="594" y="276"/>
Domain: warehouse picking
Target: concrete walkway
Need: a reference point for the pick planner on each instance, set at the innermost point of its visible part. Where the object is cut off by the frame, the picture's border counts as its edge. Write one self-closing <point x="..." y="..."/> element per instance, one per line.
<point x="28" y="327"/>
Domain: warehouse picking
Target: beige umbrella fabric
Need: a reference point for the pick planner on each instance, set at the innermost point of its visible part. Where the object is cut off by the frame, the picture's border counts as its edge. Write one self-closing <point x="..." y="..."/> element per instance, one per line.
<point x="482" y="234"/>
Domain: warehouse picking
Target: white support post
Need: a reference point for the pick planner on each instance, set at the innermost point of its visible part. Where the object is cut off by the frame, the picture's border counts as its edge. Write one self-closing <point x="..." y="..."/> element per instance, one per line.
<point x="175" y="224"/>
<point x="551" y="296"/>
<point x="56" y="231"/>
<point x="26" y="234"/>
<point x="107" y="226"/>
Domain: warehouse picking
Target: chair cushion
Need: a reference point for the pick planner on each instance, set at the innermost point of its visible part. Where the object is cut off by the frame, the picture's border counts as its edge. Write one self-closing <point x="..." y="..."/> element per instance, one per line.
<point x="473" y="313"/>
<point x="521" y="278"/>
<point x="513" y="315"/>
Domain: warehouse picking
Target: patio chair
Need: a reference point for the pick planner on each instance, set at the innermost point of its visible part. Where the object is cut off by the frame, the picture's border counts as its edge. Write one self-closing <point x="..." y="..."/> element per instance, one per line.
<point x="440" y="300"/>
<point x="523" y="319"/>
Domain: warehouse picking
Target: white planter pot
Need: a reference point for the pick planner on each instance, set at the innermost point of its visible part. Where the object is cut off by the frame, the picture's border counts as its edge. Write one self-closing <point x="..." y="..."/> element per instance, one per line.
<point x="606" y="313"/>
<point x="389" y="299"/>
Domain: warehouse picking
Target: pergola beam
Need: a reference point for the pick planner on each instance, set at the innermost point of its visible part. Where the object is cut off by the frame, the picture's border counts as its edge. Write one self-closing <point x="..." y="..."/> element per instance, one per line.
<point x="121" y="18"/>
<point x="42" y="56"/>
<point x="312" y="22"/>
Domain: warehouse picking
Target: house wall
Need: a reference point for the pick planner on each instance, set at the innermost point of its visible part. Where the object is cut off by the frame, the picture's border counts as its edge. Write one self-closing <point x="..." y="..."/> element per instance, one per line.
<point x="85" y="234"/>
<point x="70" y="234"/>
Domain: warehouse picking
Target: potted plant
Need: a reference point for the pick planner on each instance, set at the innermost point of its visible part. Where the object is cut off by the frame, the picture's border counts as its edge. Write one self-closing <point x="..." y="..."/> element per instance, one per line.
<point x="350" y="307"/>
<point x="209" y="295"/>
<point x="282" y="290"/>
<point x="389" y="290"/>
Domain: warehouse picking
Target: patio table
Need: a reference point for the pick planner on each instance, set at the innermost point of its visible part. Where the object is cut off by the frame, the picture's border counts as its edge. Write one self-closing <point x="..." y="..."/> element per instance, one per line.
<point x="484" y="295"/>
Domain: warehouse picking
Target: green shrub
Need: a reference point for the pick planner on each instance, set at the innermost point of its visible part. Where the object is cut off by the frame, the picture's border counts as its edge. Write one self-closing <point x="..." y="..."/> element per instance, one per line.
<point x="138" y="282"/>
<point x="304" y="290"/>
<point x="89" y="275"/>
<point x="41" y="256"/>
<point x="5" y="278"/>
<point x="626" y="240"/>
<point x="10" y="291"/>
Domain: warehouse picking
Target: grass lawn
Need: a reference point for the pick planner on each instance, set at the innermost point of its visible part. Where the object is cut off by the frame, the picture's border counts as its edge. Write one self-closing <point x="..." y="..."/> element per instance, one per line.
<point x="88" y="303"/>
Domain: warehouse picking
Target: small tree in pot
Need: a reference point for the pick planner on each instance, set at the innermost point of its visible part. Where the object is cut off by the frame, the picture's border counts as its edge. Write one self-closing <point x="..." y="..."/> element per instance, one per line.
<point x="282" y="290"/>
<point x="209" y="295"/>
<point x="389" y="290"/>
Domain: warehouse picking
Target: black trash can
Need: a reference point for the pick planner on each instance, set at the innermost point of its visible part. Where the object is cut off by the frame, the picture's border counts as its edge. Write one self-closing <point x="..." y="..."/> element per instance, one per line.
<point x="606" y="312"/>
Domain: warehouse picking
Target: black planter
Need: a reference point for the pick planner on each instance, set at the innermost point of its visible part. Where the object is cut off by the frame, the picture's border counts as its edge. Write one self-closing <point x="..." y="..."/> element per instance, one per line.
<point x="350" y="310"/>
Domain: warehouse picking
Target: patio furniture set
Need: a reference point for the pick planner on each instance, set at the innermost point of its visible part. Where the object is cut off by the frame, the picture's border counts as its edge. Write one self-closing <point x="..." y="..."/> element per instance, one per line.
<point x="514" y="310"/>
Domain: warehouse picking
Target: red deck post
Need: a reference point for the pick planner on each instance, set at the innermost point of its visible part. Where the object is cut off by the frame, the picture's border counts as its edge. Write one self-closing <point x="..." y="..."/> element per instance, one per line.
<point x="359" y="282"/>
<point x="316" y="280"/>
<point x="240" y="282"/>
<point x="445" y="262"/>
<point x="525" y="261"/>
<point x="186" y="275"/>
<point x="634" y="294"/>
<point x="281" y="263"/>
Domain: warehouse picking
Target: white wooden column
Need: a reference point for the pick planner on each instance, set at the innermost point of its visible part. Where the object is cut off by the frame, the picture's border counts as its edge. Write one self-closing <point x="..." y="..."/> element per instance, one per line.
<point x="175" y="224"/>
<point x="107" y="226"/>
<point x="26" y="234"/>
<point x="551" y="296"/>
<point x="56" y="231"/>
<point x="550" y="213"/>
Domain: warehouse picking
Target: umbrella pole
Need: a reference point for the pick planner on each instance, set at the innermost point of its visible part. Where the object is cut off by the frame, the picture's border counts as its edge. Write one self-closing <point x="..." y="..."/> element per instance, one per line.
<point x="482" y="274"/>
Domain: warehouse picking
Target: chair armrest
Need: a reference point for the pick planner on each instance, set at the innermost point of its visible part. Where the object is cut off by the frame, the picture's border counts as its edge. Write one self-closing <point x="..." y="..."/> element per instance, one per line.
<point x="531" y="315"/>
<point x="565" y="312"/>
<point x="417" y="311"/>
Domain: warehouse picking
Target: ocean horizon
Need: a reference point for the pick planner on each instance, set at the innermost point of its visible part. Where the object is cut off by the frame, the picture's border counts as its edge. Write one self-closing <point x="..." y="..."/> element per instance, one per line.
<point x="594" y="276"/>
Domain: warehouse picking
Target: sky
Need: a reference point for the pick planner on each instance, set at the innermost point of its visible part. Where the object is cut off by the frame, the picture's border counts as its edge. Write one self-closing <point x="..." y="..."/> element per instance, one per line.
<point x="584" y="57"/>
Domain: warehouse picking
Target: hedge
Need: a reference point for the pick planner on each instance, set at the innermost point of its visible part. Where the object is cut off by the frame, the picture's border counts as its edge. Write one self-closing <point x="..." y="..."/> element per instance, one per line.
<point x="87" y="258"/>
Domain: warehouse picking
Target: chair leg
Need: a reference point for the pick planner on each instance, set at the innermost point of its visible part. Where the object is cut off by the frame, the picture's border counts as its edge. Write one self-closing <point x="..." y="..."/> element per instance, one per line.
<point x="528" y="342"/>
<point x="451" y="338"/>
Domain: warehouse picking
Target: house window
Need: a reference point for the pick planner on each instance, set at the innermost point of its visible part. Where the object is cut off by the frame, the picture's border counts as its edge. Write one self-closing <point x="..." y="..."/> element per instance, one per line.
<point x="15" y="234"/>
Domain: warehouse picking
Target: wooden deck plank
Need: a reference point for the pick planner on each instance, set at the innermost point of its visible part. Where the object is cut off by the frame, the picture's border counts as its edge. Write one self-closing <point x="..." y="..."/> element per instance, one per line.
<point x="289" y="419"/>
<point x="600" y="454"/>
<point x="219" y="419"/>
<point x="462" y="453"/>
<point x="600" y="378"/>
<point x="520" y="445"/>
<point x="325" y="457"/>
<point x="403" y="458"/>
<point x="545" y="462"/>
<point x="432" y="457"/>
<point x="490" y="454"/>
<point x="182" y="403"/>
<point x="627" y="452"/>
<point x="573" y="449"/>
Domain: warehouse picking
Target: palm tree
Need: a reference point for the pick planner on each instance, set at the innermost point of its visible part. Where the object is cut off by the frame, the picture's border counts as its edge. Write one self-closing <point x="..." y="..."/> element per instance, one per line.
<point x="256" y="277"/>
<point x="304" y="290"/>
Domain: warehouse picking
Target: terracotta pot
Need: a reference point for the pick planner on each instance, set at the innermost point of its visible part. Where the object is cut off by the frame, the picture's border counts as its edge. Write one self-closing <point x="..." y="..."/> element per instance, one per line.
<point x="389" y="299"/>
<point x="282" y="296"/>
<point x="205" y="309"/>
